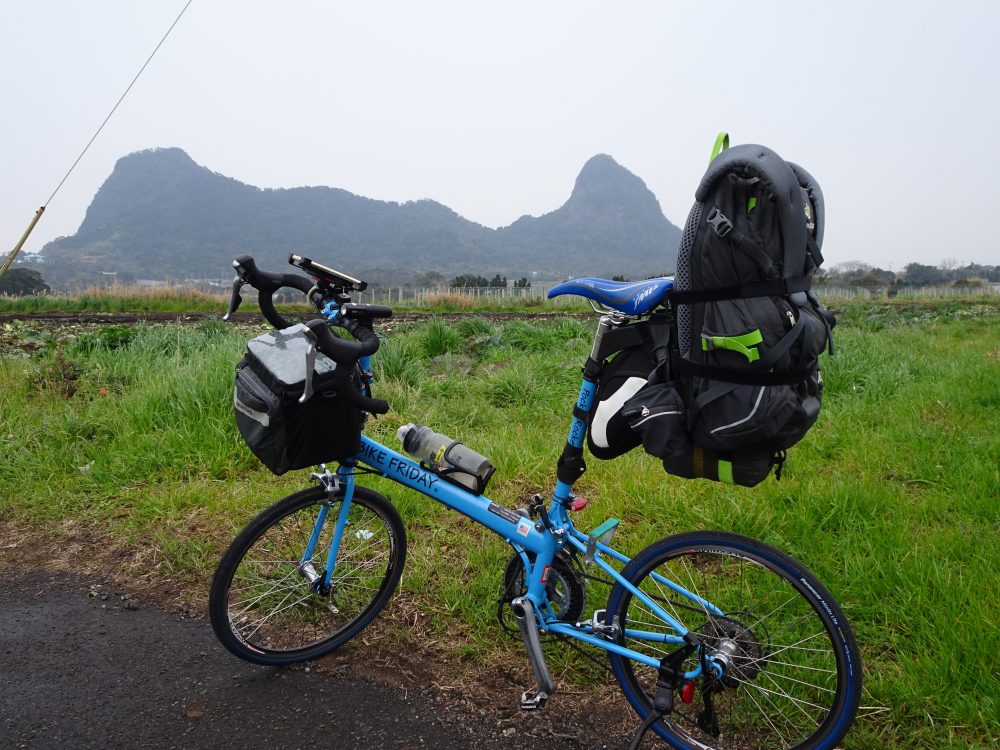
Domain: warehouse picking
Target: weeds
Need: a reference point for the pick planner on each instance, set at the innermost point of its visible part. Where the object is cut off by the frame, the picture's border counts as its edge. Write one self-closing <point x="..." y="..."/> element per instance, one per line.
<point x="440" y="338"/>
<point x="449" y="302"/>
<point x="400" y="360"/>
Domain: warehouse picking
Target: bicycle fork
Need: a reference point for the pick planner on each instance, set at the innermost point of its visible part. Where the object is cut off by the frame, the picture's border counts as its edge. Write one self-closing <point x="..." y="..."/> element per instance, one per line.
<point x="321" y="580"/>
<point x="524" y="613"/>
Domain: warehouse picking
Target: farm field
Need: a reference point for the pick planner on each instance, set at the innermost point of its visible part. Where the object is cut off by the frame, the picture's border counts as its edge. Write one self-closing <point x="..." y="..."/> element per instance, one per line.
<point x="125" y="433"/>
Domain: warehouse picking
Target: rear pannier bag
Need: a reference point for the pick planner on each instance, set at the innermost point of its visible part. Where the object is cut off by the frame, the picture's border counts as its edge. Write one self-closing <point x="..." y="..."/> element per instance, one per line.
<point x="610" y="434"/>
<point x="740" y="383"/>
<point x="657" y="414"/>
<point x="745" y="468"/>
<point x="283" y="433"/>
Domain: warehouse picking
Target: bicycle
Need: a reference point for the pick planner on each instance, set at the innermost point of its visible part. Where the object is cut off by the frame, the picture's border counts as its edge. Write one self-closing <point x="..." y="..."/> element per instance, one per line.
<point x="716" y="640"/>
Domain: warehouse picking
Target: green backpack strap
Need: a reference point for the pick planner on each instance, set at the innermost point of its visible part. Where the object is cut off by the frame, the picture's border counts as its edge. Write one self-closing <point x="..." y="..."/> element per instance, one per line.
<point x="721" y="144"/>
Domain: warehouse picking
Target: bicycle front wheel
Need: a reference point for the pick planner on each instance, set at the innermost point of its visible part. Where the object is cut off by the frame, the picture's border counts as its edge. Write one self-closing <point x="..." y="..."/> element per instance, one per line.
<point x="792" y="672"/>
<point x="268" y="604"/>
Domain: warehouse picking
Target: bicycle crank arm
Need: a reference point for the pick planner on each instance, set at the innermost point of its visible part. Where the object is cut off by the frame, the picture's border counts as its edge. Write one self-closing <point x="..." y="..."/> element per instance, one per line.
<point x="524" y="613"/>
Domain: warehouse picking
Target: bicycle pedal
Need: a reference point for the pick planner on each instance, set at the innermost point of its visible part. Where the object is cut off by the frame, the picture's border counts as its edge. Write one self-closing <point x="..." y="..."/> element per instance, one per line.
<point x="601" y="627"/>
<point x="532" y="700"/>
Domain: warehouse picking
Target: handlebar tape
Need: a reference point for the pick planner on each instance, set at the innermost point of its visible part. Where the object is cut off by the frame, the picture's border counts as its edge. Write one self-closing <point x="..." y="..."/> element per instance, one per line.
<point x="347" y="353"/>
<point x="267" y="283"/>
<point x="359" y="311"/>
<point x="339" y="350"/>
<point x="366" y="403"/>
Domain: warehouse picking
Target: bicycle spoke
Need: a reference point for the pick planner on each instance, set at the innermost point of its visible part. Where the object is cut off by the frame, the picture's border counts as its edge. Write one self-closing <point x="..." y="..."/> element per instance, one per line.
<point x="747" y="719"/>
<point x="791" y="647"/>
<point x="274" y="601"/>
<point x="786" y="696"/>
<point x="795" y="701"/>
<point x="769" y="661"/>
<point x="271" y="614"/>
<point x="252" y="603"/>
<point x="767" y="720"/>
<point x="665" y="597"/>
<point x="694" y="588"/>
<point x="780" y="675"/>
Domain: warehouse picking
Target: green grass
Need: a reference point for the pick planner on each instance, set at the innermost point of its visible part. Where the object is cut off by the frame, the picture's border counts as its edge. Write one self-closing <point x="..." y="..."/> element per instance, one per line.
<point x="892" y="499"/>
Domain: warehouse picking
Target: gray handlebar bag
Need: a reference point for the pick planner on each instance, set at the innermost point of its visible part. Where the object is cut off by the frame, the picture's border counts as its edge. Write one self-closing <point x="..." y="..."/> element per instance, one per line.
<point x="283" y="433"/>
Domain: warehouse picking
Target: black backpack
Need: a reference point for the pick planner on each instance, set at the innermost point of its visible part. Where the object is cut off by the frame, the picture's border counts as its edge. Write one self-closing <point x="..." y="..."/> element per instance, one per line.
<point x="735" y="378"/>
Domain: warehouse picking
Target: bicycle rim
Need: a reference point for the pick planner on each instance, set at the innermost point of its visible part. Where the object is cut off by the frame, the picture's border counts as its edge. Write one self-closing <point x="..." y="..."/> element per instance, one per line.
<point x="794" y="678"/>
<point x="275" y="607"/>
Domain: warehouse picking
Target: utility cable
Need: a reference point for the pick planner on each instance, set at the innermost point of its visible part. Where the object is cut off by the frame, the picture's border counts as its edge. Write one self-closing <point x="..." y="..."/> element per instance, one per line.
<point x="38" y="214"/>
<point x="122" y="97"/>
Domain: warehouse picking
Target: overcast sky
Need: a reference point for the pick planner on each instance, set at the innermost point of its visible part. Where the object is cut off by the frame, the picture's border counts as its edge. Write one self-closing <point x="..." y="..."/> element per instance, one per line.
<point x="493" y="108"/>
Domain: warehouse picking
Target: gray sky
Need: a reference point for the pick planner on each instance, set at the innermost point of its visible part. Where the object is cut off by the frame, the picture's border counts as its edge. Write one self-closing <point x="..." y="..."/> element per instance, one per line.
<point x="493" y="108"/>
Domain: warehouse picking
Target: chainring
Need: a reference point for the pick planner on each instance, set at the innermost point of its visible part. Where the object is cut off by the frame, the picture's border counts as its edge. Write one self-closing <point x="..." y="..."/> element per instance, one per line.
<point x="565" y="590"/>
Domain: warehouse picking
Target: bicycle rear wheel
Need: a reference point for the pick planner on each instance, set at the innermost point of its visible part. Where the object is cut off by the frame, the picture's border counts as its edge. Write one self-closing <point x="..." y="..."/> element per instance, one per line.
<point x="266" y="604"/>
<point x="793" y="674"/>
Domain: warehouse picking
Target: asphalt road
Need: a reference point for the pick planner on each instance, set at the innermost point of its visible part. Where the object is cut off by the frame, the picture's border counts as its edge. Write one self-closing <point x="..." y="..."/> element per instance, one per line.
<point x="78" y="670"/>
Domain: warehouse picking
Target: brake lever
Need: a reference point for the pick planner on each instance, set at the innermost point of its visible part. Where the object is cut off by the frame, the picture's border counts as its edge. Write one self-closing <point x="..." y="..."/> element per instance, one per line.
<point x="235" y="299"/>
<point x="307" y="388"/>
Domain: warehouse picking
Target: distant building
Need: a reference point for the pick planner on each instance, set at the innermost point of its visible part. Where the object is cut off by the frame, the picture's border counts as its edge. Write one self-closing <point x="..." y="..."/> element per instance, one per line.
<point x="27" y="258"/>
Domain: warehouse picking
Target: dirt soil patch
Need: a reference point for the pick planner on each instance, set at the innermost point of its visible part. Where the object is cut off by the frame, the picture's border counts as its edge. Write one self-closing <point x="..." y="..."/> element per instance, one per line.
<point x="65" y="325"/>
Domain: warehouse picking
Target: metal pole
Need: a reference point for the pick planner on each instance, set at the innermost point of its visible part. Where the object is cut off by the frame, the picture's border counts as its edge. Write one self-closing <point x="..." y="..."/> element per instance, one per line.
<point x="20" y="242"/>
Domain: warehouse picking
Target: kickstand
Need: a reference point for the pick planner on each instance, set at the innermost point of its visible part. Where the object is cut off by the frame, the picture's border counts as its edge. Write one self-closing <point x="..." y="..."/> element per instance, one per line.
<point x="670" y="677"/>
<point x="653" y="717"/>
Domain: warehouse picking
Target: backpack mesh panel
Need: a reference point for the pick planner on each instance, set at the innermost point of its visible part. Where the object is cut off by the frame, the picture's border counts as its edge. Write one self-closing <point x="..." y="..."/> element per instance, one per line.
<point x="682" y="278"/>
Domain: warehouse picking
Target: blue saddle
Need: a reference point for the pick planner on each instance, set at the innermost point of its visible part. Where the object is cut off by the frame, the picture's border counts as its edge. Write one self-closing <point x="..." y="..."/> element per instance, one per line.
<point x="630" y="297"/>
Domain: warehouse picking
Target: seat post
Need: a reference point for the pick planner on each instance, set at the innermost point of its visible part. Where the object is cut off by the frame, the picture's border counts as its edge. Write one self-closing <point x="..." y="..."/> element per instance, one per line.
<point x="606" y="324"/>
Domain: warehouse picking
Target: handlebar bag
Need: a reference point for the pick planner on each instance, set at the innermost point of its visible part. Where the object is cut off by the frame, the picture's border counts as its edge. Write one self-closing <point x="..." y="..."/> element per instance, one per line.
<point x="283" y="433"/>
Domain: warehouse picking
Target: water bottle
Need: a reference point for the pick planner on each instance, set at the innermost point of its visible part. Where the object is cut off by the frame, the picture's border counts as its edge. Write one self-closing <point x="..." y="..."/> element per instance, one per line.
<point x="453" y="460"/>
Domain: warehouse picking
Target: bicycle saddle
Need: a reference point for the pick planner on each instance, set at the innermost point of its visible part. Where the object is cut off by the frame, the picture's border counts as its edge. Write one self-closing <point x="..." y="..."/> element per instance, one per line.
<point x="630" y="297"/>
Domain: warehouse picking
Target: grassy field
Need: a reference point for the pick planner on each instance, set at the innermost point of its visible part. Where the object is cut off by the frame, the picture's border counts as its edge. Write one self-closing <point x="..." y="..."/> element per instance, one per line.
<point x="892" y="499"/>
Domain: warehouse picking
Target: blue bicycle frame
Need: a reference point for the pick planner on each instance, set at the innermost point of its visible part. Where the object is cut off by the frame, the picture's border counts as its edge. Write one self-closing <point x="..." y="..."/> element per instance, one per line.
<point x="523" y="534"/>
<point x="779" y="647"/>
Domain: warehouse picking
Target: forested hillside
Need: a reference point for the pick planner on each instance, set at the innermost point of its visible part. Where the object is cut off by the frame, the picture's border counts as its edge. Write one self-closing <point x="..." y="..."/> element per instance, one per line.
<point x="162" y="216"/>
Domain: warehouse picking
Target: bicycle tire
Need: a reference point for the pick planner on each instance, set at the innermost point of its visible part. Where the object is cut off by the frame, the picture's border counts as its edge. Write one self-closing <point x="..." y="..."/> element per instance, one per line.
<point x="795" y="675"/>
<point x="276" y="615"/>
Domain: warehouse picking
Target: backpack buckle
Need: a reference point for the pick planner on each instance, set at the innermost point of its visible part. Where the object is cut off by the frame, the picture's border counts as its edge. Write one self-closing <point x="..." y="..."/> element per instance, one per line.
<point x="719" y="223"/>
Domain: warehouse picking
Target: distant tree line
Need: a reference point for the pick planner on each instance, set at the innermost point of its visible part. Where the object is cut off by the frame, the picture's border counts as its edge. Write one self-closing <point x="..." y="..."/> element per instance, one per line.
<point x="471" y="281"/>
<point x="949" y="272"/>
<point x="21" y="282"/>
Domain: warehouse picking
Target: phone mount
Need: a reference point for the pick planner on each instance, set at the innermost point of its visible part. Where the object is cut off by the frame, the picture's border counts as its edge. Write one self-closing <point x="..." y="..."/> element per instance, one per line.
<point x="328" y="277"/>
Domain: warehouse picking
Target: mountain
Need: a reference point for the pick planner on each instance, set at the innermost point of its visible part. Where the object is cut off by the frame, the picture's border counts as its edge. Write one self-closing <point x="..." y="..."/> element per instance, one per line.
<point x="611" y="223"/>
<point x="161" y="215"/>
